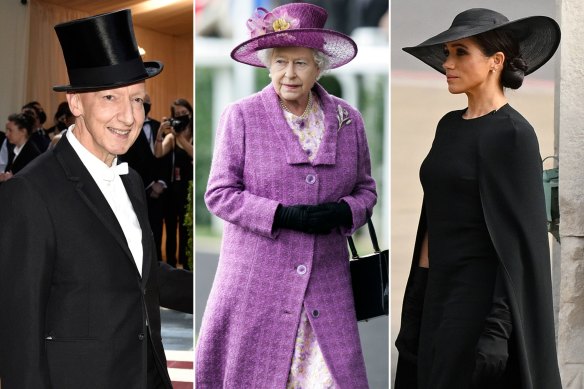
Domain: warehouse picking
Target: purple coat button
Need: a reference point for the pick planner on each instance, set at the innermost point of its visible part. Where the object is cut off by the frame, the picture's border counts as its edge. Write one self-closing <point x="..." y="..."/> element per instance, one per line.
<point x="315" y="313"/>
<point x="310" y="179"/>
<point x="301" y="269"/>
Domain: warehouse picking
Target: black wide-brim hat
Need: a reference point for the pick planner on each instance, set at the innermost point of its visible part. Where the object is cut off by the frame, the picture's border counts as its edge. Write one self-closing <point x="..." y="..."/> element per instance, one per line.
<point x="538" y="37"/>
<point x="101" y="53"/>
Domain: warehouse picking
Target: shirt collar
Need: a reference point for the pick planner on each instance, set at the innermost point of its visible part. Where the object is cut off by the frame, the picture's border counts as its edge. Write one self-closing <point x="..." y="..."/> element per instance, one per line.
<point x="96" y="167"/>
<point x="18" y="149"/>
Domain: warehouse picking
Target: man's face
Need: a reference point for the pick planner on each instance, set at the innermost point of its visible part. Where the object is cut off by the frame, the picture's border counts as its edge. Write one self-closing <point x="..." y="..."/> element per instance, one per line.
<point x="108" y="121"/>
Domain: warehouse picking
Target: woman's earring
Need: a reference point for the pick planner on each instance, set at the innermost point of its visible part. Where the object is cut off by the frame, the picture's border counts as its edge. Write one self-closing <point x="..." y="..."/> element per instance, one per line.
<point x="270" y="75"/>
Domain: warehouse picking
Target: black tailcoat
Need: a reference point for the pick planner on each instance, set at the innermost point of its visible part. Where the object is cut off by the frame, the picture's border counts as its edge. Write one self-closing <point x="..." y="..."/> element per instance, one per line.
<point x="74" y="307"/>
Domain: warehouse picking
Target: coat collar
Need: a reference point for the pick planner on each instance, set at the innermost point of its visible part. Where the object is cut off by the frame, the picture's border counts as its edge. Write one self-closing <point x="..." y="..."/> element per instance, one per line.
<point x="91" y="195"/>
<point x="294" y="154"/>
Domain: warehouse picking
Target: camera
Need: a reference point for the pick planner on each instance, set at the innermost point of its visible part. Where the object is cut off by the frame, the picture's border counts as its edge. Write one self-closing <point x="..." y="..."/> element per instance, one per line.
<point x="179" y="123"/>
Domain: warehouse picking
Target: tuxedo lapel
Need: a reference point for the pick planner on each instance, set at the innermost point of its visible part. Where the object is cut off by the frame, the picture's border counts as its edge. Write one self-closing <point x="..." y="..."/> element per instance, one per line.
<point x="139" y="207"/>
<point x="90" y="193"/>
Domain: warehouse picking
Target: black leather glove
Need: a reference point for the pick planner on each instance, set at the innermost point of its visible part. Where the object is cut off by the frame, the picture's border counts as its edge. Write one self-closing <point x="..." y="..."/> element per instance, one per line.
<point x="292" y="217"/>
<point x="492" y="347"/>
<point x="409" y="333"/>
<point x="322" y="218"/>
<point x="313" y="219"/>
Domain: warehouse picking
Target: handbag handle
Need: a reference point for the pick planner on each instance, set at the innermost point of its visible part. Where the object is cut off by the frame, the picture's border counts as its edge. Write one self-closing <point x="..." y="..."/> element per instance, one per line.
<point x="373" y="237"/>
<point x="556" y="159"/>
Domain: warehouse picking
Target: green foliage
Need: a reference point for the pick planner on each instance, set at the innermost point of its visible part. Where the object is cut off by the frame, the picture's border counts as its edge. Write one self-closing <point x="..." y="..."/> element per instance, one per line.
<point x="203" y="140"/>
<point x="189" y="224"/>
<point x="372" y="108"/>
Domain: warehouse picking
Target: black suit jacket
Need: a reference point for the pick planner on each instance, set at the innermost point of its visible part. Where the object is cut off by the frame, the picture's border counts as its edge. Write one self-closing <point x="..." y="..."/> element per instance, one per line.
<point x="74" y="307"/>
<point x="40" y="139"/>
<point x="26" y="155"/>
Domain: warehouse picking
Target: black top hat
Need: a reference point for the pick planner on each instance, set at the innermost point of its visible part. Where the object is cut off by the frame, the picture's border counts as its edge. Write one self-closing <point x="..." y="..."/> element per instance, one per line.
<point x="538" y="37"/>
<point x="101" y="52"/>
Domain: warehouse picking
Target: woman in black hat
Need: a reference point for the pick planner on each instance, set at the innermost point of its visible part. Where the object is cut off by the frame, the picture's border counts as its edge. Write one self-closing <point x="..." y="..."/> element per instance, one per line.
<point x="477" y="310"/>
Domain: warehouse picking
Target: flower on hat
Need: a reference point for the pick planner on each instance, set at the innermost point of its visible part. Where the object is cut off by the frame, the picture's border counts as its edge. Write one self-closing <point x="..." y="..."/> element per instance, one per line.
<point x="284" y="22"/>
<point x="263" y="22"/>
<point x="256" y="24"/>
<point x="280" y="24"/>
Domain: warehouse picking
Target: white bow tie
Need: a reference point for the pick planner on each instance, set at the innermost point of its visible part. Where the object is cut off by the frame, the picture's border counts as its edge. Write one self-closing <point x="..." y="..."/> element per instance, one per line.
<point x="119" y="169"/>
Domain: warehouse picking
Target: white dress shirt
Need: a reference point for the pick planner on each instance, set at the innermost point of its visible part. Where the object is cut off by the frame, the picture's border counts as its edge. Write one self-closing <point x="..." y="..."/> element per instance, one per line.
<point x="17" y="149"/>
<point x="109" y="182"/>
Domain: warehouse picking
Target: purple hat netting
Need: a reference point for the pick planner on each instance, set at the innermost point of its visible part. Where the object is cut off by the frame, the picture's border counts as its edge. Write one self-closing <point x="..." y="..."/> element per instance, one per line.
<point x="298" y="25"/>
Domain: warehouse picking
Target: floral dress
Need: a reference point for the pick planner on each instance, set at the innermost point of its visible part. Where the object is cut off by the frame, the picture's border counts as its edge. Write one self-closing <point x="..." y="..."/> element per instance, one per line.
<point x="308" y="368"/>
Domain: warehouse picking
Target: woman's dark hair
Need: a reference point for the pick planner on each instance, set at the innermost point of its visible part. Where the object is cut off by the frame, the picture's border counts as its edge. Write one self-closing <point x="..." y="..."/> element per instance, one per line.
<point x="36" y="106"/>
<point x="183" y="103"/>
<point x="504" y="41"/>
<point x="23" y="121"/>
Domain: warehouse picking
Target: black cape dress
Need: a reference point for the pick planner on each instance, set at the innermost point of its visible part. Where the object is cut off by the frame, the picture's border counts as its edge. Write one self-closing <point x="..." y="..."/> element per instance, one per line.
<point x="484" y="213"/>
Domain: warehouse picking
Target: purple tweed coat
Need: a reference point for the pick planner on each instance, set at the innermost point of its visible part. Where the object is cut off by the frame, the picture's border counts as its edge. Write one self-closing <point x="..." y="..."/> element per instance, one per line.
<point x="264" y="276"/>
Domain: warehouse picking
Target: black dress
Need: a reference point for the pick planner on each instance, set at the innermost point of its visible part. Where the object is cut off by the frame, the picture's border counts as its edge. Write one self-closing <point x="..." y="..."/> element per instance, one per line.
<point x="463" y="262"/>
<point x="485" y="218"/>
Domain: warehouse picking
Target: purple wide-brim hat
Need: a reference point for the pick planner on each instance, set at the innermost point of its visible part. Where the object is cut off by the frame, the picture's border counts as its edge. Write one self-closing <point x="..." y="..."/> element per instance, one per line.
<point x="538" y="37"/>
<point x="294" y="25"/>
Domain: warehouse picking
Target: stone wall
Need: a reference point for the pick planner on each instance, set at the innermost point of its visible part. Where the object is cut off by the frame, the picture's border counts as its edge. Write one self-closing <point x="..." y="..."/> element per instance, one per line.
<point x="570" y="131"/>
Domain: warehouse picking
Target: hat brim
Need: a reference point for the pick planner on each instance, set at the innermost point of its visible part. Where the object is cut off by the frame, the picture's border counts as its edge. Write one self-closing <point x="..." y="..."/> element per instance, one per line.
<point x="338" y="48"/>
<point x="538" y="36"/>
<point x="152" y="68"/>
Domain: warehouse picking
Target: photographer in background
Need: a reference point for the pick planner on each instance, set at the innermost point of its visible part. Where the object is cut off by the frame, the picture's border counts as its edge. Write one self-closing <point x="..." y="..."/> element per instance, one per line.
<point x="175" y="137"/>
<point x="155" y="173"/>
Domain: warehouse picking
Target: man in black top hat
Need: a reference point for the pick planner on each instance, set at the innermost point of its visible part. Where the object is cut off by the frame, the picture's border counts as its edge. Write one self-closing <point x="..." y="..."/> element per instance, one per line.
<point x="81" y="309"/>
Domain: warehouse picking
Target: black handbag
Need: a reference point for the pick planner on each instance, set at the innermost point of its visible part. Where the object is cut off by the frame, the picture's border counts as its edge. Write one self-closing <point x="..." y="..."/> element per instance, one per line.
<point x="369" y="278"/>
<point x="551" y="179"/>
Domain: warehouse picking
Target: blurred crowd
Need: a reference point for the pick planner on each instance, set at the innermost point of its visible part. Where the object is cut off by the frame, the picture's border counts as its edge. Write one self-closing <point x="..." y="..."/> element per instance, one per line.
<point x="162" y="155"/>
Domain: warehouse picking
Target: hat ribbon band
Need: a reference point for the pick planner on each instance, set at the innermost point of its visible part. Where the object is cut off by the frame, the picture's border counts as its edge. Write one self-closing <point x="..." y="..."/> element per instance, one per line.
<point x="109" y="74"/>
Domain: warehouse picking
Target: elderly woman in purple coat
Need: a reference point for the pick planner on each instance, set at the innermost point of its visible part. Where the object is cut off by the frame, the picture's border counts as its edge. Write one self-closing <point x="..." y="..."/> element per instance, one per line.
<point x="291" y="178"/>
